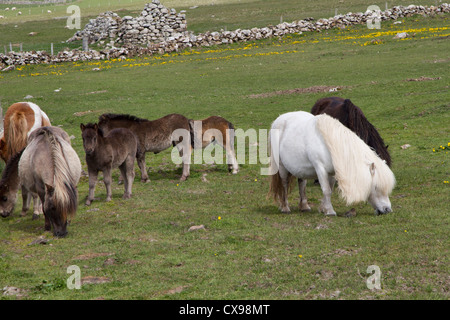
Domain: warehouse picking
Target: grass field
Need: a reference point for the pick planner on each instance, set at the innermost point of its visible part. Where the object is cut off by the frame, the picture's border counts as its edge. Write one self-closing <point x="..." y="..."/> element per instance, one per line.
<point x="142" y="249"/>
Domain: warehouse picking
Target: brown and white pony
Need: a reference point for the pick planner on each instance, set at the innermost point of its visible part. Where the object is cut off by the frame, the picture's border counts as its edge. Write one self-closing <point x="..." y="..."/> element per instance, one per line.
<point x="20" y="120"/>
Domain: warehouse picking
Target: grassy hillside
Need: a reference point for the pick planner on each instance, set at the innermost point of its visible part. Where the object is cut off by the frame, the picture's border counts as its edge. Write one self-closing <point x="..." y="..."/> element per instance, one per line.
<point x="142" y="248"/>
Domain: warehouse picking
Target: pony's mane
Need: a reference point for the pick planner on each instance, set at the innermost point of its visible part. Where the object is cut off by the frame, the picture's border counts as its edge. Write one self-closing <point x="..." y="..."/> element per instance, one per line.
<point x="64" y="183"/>
<point x="357" y="121"/>
<point x="351" y="159"/>
<point x="11" y="167"/>
<point x="124" y="117"/>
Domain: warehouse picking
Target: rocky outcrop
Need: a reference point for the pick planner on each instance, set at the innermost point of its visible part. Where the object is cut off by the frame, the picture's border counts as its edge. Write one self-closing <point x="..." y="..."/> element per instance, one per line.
<point x="155" y="24"/>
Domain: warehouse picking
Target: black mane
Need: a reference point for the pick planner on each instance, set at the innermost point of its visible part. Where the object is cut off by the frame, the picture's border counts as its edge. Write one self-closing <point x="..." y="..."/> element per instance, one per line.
<point x="353" y="118"/>
<point x="113" y="116"/>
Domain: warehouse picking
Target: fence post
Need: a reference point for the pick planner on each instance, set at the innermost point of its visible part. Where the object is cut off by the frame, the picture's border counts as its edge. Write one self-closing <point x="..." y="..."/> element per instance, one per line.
<point x="10" y="47"/>
<point x="51" y="48"/>
<point x="85" y="43"/>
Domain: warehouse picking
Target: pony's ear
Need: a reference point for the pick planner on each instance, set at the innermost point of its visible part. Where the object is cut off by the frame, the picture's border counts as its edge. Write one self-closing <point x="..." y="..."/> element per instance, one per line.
<point x="96" y="127"/>
<point x="387" y="147"/>
<point x="372" y="169"/>
<point x="49" y="189"/>
<point x="82" y="126"/>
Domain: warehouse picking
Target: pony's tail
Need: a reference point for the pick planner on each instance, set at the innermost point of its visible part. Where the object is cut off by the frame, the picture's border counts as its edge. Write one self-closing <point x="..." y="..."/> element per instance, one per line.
<point x="17" y="134"/>
<point x="276" y="189"/>
<point x="191" y="132"/>
<point x="64" y="184"/>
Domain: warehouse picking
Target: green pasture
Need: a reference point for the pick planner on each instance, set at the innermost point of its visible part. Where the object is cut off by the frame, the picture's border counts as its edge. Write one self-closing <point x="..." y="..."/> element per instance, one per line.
<point x="142" y="248"/>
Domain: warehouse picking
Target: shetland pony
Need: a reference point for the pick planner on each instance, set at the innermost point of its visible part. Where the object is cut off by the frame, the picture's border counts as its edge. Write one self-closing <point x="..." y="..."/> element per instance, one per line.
<point x="306" y="146"/>
<point x="105" y="152"/>
<point x="215" y="129"/>
<point x="152" y="135"/>
<point x="353" y="118"/>
<point x="19" y="121"/>
<point x="50" y="168"/>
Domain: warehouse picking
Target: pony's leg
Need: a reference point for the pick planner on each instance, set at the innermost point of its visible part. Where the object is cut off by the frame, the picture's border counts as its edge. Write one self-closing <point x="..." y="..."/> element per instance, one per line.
<point x="121" y="179"/>
<point x="107" y="179"/>
<point x="47" y="223"/>
<point x="233" y="166"/>
<point x="284" y="175"/>
<point x="92" y="181"/>
<point x="141" y="163"/>
<point x="127" y="169"/>
<point x="325" y="206"/>
<point x="26" y="200"/>
<point x="37" y="207"/>
<point x="303" y="203"/>
<point x="186" y="159"/>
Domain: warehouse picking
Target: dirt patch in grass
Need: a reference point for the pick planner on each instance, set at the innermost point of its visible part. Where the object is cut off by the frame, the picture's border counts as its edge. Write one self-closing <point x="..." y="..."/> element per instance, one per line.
<point x="422" y="78"/>
<point x="313" y="89"/>
<point x="92" y="256"/>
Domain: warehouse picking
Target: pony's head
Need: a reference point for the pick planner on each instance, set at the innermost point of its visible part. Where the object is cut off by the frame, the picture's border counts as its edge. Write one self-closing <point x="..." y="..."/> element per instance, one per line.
<point x="89" y="133"/>
<point x="9" y="185"/>
<point x="382" y="185"/>
<point x="8" y="198"/>
<point x="58" y="219"/>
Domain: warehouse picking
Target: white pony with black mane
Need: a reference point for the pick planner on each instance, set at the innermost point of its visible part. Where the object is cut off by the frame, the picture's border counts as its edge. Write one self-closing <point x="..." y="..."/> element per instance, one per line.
<point x="307" y="147"/>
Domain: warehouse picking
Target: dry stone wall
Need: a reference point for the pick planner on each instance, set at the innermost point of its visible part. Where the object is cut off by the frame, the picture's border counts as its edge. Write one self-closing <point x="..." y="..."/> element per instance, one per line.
<point x="160" y="30"/>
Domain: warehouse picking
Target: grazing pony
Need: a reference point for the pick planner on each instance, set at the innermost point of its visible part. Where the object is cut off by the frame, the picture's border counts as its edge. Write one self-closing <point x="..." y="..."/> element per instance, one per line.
<point x="353" y="118"/>
<point x="107" y="152"/>
<point x="50" y="168"/>
<point x="306" y="146"/>
<point x="152" y="136"/>
<point x="19" y="121"/>
<point x="215" y="129"/>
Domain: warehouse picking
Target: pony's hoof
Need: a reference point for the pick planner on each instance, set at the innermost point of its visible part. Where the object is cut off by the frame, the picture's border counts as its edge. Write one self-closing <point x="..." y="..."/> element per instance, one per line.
<point x="35" y="216"/>
<point x="120" y="182"/>
<point x="305" y="209"/>
<point x="330" y="214"/>
<point x="183" y="178"/>
<point x="145" y="180"/>
<point x="23" y="213"/>
<point x="126" y="196"/>
<point x="285" y="210"/>
<point x="88" y="202"/>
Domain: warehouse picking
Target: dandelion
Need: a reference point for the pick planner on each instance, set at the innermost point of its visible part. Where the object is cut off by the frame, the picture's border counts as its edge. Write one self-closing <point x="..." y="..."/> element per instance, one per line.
<point x="300" y="256"/>
<point x="219" y="218"/>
